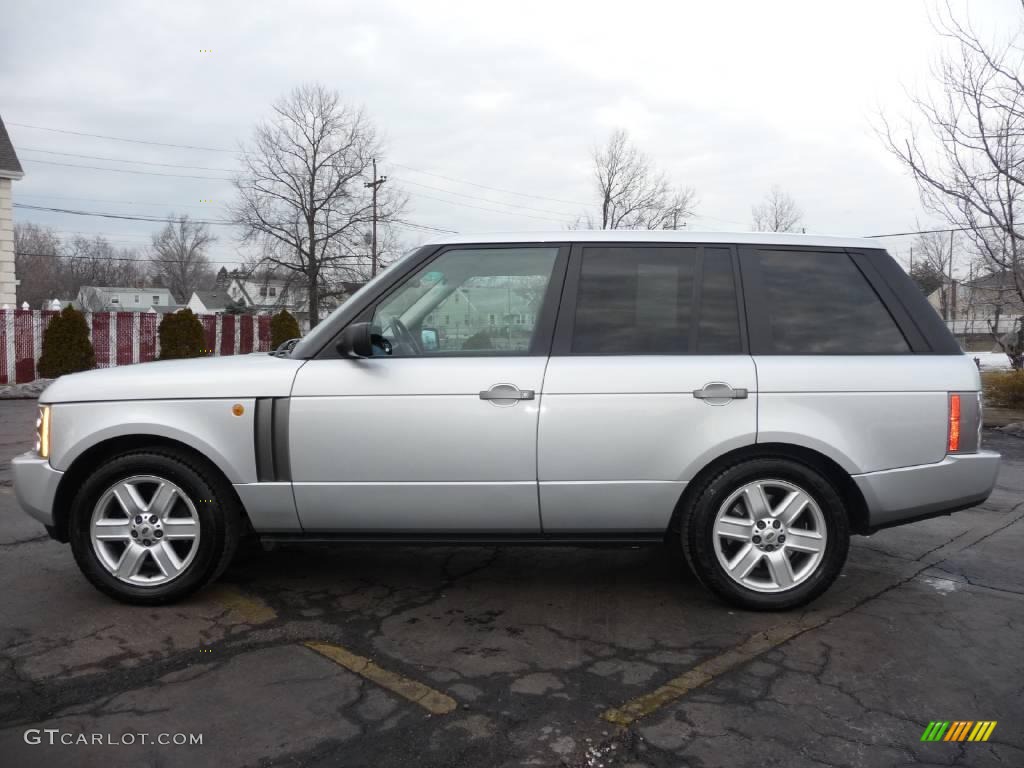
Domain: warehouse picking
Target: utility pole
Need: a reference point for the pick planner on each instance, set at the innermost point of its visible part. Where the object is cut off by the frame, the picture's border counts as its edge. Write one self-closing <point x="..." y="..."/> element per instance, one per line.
<point x="375" y="185"/>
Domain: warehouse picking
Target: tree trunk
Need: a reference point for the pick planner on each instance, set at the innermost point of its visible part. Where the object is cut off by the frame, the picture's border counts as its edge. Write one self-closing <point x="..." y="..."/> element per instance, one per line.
<point x="313" y="300"/>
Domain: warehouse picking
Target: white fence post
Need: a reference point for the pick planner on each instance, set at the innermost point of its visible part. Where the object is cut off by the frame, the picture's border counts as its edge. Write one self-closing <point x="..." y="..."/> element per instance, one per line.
<point x="9" y="322"/>
<point x="136" y="335"/>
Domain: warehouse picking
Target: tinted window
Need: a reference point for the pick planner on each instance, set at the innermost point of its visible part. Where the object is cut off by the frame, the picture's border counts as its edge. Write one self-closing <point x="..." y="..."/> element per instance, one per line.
<point x="719" y="332"/>
<point x="820" y="304"/>
<point x="644" y="301"/>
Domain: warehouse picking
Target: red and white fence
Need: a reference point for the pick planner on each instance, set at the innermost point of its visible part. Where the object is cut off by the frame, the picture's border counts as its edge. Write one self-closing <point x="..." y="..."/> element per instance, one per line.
<point x="120" y="338"/>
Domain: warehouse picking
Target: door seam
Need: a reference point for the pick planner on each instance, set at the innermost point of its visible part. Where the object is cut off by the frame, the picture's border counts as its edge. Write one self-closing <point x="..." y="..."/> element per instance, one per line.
<point x="536" y="442"/>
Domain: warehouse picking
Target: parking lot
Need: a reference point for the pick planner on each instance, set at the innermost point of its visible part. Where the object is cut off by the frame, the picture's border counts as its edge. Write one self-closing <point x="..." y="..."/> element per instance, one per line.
<point x="367" y="655"/>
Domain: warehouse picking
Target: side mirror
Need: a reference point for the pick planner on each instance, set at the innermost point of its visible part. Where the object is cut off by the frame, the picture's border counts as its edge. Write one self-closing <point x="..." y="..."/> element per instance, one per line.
<point x="430" y="340"/>
<point x="356" y="341"/>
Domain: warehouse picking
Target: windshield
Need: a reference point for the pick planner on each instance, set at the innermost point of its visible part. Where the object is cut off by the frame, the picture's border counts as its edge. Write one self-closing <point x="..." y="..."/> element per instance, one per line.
<point x="320" y="335"/>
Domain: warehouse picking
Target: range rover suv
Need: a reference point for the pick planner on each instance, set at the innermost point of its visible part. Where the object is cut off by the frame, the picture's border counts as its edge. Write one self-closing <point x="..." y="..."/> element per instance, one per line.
<point x="754" y="398"/>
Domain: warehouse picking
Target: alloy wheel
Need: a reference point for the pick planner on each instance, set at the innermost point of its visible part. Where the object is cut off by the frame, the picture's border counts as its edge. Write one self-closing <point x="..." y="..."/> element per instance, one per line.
<point x="145" y="530"/>
<point x="770" y="535"/>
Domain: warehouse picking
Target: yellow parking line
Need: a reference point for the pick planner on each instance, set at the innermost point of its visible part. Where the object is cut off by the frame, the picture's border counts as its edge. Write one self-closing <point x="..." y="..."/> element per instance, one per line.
<point x="433" y="701"/>
<point x="248" y="609"/>
<point x="705" y="672"/>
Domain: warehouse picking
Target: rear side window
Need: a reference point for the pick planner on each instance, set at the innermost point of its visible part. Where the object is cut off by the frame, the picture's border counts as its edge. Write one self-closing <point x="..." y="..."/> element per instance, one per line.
<point x="819" y="303"/>
<point x="656" y="301"/>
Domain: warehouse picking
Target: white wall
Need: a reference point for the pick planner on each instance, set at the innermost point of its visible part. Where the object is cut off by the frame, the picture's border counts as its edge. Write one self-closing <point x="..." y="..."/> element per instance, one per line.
<point x="7" y="279"/>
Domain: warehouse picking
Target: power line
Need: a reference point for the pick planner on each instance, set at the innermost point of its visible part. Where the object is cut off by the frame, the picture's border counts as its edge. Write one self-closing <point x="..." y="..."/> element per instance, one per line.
<point x="236" y="152"/>
<point x="213" y="222"/>
<point x="119" y="160"/>
<point x="124" y="170"/>
<point x="78" y="257"/>
<point x="484" y="186"/>
<point x="937" y="231"/>
<point x="121" y="202"/>
<point x="119" y="138"/>
<point x="106" y="215"/>
<point x="492" y="210"/>
<point x="482" y="199"/>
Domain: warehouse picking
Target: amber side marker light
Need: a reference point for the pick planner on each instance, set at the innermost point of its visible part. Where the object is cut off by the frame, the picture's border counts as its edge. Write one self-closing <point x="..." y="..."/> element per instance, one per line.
<point x="954" y="424"/>
<point x="238" y="409"/>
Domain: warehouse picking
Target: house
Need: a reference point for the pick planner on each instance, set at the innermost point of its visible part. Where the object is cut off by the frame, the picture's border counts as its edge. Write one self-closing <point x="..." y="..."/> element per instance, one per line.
<point x="261" y="295"/>
<point x="101" y="298"/>
<point x="10" y="170"/>
<point x="504" y="307"/>
<point x="269" y="295"/>
<point x="212" y="302"/>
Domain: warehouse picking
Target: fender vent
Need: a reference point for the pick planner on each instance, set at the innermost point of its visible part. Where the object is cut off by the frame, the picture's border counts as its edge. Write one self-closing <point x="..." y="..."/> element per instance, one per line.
<point x="270" y="440"/>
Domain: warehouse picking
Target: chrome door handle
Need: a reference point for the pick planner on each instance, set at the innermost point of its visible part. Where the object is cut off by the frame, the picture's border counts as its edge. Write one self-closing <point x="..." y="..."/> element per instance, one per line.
<point x="719" y="393"/>
<point x="506" y="394"/>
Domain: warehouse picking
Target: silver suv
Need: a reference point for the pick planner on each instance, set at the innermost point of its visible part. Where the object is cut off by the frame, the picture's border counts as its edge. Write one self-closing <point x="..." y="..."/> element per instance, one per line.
<point x="755" y="398"/>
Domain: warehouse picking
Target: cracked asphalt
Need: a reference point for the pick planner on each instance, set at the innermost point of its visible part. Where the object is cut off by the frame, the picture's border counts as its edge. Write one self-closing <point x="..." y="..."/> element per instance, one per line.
<point x="534" y="645"/>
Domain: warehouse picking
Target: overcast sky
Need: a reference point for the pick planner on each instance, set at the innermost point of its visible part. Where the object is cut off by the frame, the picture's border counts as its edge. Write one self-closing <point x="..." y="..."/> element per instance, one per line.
<point x="728" y="97"/>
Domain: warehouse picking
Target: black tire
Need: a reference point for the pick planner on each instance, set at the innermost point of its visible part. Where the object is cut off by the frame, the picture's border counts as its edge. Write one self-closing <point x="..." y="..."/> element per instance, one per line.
<point x="698" y="539"/>
<point x="219" y="523"/>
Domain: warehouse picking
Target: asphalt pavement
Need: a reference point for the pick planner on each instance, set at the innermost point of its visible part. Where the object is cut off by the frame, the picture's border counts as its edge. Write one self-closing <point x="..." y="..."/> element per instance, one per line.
<point x="495" y="656"/>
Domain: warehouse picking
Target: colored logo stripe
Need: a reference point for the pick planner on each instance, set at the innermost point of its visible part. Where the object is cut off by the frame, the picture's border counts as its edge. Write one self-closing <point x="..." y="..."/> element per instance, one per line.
<point x="958" y="730"/>
<point x="935" y="730"/>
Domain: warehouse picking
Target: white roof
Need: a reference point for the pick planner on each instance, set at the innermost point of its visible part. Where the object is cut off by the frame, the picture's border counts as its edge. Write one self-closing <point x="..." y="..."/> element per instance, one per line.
<point x="661" y="236"/>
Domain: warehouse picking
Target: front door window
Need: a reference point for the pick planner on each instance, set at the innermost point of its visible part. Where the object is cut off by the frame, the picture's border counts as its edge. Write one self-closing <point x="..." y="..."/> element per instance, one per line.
<point x="470" y="302"/>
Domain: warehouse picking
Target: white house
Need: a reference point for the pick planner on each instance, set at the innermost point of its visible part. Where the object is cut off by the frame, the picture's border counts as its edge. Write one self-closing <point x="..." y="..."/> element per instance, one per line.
<point x="211" y="302"/>
<point x="102" y="298"/>
<point x="979" y="306"/>
<point x="10" y="170"/>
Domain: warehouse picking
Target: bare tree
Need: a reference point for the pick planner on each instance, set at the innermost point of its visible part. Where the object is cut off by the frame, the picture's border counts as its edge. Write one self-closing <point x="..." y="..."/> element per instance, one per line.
<point x="50" y="268"/>
<point x="932" y="256"/>
<point x="777" y="213"/>
<point x="179" y="261"/>
<point x="965" y="148"/>
<point x="94" y="261"/>
<point x="301" y="195"/>
<point x="37" y="263"/>
<point x="632" y="195"/>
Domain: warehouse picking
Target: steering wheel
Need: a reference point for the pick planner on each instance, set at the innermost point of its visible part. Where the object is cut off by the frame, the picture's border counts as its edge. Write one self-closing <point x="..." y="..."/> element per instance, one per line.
<point x="404" y="337"/>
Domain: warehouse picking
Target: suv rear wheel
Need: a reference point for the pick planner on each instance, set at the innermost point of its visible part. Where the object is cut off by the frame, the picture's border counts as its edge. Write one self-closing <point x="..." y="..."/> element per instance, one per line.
<point x="766" y="534"/>
<point x="153" y="526"/>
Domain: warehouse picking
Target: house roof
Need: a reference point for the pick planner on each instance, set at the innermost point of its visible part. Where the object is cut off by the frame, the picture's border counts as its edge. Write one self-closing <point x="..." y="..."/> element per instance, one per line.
<point x="213" y="299"/>
<point x="10" y="167"/>
<point x="118" y="289"/>
<point x="662" y="236"/>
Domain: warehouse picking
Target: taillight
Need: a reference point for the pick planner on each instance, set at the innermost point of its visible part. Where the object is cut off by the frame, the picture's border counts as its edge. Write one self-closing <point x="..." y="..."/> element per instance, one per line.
<point x="954" y="423"/>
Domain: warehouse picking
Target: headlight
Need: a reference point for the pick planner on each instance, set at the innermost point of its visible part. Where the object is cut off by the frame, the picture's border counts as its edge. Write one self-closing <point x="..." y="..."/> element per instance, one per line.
<point x="43" y="432"/>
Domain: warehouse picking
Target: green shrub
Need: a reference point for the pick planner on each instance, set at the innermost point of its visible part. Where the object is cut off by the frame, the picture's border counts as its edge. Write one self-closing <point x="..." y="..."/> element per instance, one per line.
<point x="283" y="326"/>
<point x="66" y="345"/>
<point x="479" y="340"/>
<point x="181" y="335"/>
<point x="1004" y="389"/>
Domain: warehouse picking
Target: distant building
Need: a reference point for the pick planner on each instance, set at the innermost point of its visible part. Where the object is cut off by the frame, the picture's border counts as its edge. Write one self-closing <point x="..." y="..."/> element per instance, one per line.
<point x="10" y="170"/>
<point x="212" y="302"/>
<point x="979" y="306"/>
<point x="101" y="298"/>
<point x="497" y="312"/>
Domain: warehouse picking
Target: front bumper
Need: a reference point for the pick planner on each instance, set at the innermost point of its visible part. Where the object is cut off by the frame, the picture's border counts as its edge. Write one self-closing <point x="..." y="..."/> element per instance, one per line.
<point x="896" y="496"/>
<point x="35" y="485"/>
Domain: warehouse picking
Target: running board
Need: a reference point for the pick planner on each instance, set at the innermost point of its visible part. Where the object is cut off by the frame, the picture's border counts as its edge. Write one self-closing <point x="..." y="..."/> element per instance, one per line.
<point x="447" y="540"/>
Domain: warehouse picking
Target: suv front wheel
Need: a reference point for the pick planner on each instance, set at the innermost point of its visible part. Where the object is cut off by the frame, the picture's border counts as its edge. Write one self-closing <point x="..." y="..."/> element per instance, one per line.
<point x="152" y="526"/>
<point x="766" y="534"/>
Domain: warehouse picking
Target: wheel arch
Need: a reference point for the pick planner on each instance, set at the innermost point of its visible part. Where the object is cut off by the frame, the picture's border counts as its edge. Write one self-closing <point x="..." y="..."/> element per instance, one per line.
<point x="86" y="462"/>
<point x="853" y="499"/>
